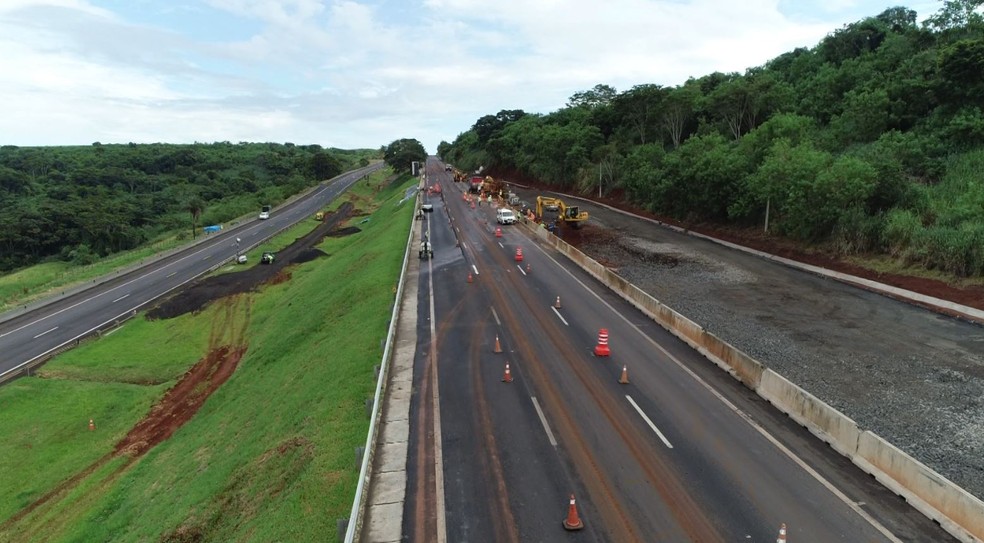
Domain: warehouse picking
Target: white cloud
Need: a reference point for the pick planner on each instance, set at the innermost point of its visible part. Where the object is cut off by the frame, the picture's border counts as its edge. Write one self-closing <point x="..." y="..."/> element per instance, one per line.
<point x="356" y="74"/>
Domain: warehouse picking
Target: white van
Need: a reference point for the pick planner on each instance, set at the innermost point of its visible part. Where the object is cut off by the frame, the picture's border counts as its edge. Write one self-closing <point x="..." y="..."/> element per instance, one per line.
<point x="505" y="215"/>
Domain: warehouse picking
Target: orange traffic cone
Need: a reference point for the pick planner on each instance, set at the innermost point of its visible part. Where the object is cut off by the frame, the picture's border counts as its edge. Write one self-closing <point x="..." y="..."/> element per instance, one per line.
<point x="624" y="379"/>
<point x="498" y="232"/>
<point x="92" y="425"/>
<point x="572" y="522"/>
<point x="601" y="349"/>
<point x="557" y="303"/>
<point x="498" y="348"/>
<point x="519" y="254"/>
<point x="782" y="533"/>
<point x="469" y="277"/>
<point x="507" y="376"/>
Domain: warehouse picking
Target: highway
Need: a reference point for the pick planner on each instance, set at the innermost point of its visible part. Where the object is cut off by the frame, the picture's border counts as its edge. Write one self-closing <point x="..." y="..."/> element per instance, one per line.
<point x="35" y="334"/>
<point x="682" y="452"/>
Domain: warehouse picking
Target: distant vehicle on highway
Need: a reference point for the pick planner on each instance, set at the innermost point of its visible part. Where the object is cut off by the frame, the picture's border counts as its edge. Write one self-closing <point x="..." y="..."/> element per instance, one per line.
<point x="265" y="213"/>
<point x="427" y="208"/>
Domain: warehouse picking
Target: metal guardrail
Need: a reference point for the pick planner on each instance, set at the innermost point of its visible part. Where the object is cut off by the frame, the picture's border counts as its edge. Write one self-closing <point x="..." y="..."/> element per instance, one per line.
<point x="355" y="521"/>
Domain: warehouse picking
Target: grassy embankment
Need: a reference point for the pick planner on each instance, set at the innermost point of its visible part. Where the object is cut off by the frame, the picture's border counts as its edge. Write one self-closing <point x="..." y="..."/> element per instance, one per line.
<point x="270" y="454"/>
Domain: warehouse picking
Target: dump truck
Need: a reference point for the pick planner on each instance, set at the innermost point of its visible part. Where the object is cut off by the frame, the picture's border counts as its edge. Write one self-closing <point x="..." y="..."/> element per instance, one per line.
<point x="475" y="184"/>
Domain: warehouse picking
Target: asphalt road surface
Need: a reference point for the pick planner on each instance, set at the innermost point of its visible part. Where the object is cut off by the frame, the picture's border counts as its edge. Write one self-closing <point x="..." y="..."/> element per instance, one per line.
<point x="38" y="333"/>
<point x="680" y="453"/>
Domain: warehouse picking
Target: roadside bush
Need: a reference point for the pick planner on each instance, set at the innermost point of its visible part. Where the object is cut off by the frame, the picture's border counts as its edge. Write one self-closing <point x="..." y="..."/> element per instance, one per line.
<point x="82" y="255"/>
<point x="901" y="227"/>
<point x="856" y="232"/>
<point x="954" y="250"/>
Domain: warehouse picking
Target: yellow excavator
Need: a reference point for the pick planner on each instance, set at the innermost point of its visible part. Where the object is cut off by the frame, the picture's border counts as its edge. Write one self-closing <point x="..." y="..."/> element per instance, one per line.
<point x="571" y="215"/>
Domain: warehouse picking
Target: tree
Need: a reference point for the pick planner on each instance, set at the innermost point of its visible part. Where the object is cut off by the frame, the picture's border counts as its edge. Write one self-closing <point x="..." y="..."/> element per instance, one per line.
<point x="956" y="14"/>
<point x="325" y="166"/>
<point x="444" y="150"/>
<point x="678" y="111"/>
<point x="401" y="154"/>
<point x="638" y="109"/>
<point x="961" y="65"/>
<point x="599" y="95"/>
<point x="195" y="207"/>
<point x="899" y="19"/>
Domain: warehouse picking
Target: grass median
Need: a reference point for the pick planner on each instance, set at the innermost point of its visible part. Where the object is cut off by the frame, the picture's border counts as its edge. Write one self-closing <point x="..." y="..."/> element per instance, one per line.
<point x="269" y="456"/>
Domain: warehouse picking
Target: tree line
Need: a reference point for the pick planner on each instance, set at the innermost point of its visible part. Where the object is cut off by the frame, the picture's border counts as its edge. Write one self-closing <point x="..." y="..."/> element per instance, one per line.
<point x="871" y="141"/>
<point x="79" y="203"/>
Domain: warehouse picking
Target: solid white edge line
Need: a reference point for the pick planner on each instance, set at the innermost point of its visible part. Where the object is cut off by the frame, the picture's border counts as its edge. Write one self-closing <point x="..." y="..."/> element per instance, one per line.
<point x="648" y="421"/>
<point x="442" y="526"/>
<point x="559" y="316"/>
<point x="782" y="448"/>
<point x="543" y="421"/>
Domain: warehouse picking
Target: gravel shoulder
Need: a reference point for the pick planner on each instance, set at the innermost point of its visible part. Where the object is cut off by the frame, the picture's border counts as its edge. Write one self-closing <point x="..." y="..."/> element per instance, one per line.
<point x="910" y="375"/>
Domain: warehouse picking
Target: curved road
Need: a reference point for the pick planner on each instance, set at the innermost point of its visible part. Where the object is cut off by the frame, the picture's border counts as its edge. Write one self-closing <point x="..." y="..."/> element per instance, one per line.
<point x="36" y="334"/>
<point x="681" y="453"/>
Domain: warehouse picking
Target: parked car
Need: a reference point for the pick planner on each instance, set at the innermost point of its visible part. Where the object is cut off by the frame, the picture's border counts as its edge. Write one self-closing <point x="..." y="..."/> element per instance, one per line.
<point x="427" y="208"/>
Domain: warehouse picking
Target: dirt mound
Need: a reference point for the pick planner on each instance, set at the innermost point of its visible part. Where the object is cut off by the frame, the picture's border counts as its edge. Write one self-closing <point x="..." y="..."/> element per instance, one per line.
<point x="181" y="402"/>
<point x="197" y="295"/>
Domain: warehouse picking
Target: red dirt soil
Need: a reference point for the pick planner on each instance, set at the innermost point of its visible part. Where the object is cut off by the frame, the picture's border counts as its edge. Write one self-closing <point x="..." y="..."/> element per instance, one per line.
<point x="181" y="402"/>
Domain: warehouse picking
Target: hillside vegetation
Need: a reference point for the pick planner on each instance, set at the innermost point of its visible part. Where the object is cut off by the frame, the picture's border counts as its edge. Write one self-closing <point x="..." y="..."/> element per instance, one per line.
<point x="267" y="456"/>
<point x="79" y="204"/>
<point x="870" y="142"/>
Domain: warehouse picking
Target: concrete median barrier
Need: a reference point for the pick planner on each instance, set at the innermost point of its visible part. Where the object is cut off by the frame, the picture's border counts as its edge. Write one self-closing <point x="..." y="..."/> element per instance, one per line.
<point x="823" y="421"/>
<point x="935" y="496"/>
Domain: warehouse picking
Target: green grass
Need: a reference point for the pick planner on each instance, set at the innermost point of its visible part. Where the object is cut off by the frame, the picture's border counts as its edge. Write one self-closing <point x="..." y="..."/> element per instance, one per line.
<point x="133" y="353"/>
<point x="269" y="457"/>
<point x="46" y="279"/>
<point x="46" y="436"/>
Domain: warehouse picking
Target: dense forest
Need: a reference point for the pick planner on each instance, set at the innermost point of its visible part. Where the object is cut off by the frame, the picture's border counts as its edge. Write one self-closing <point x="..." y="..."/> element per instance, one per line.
<point x="83" y="202"/>
<point x="872" y="141"/>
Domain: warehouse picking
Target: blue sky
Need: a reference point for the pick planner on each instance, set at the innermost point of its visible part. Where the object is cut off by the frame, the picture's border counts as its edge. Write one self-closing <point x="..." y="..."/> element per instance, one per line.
<point x="354" y="74"/>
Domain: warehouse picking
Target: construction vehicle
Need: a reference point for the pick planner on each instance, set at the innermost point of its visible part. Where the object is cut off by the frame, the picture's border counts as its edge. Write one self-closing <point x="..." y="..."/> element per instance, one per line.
<point x="493" y="187"/>
<point x="425" y="248"/>
<point x="267" y="258"/>
<point x="319" y="216"/>
<point x="571" y="215"/>
<point x="475" y="184"/>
